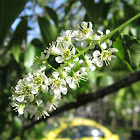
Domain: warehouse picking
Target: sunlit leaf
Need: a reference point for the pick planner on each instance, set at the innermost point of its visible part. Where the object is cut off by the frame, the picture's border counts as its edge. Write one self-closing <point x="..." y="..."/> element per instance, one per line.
<point x="16" y="52"/>
<point x="119" y="98"/>
<point x="106" y="80"/>
<point x="52" y="14"/>
<point x="129" y="51"/>
<point x="18" y="123"/>
<point x="48" y="30"/>
<point x="30" y="54"/>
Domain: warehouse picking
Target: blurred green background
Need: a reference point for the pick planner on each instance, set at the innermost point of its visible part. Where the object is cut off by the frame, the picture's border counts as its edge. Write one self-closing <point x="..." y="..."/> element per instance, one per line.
<point x="28" y="26"/>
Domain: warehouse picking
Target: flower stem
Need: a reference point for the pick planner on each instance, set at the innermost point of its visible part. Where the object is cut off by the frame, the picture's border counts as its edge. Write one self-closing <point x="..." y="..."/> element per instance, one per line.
<point x="52" y="67"/>
<point x="101" y="39"/>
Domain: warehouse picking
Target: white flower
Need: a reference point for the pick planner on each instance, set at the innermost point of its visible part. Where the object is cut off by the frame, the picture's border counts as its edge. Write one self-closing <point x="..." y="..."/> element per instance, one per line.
<point x="20" y="98"/>
<point x="101" y="34"/>
<point x="41" y="112"/>
<point x="79" y="75"/>
<point x="40" y="80"/>
<point x="107" y="42"/>
<point x="89" y="62"/>
<point x="53" y="105"/>
<point x="84" y="32"/>
<point x="105" y="55"/>
<point x="19" y="107"/>
<point x="58" y="84"/>
<point x="66" y="37"/>
<point x="24" y="86"/>
<point x="65" y="52"/>
<point x="42" y="60"/>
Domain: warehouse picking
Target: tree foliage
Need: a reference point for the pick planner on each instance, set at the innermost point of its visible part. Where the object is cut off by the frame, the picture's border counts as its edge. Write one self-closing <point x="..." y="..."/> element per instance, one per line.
<point x="21" y="43"/>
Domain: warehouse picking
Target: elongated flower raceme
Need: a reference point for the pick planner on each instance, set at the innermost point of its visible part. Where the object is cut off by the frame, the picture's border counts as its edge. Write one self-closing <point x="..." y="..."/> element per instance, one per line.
<point x="37" y="93"/>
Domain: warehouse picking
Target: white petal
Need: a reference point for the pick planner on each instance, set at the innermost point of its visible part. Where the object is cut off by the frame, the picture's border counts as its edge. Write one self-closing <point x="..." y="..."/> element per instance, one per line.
<point x="63" y="89"/>
<point x="44" y="88"/>
<point x="90" y="25"/>
<point x="42" y="68"/>
<point x="75" y="32"/>
<point x="87" y="56"/>
<point x="20" y="111"/>
<point x="68" y="33"/>
<point x="92" y="68"/>
<point x="44" y="77"/>
<point x="36" y="73"/>
<point x="57" y="91"/>
<point x="49" y="81"/>
<point x="45" y="113"/>
<point x="113" y="50"/>
<point x="39" y="102"/>
<point x="72" y="85"/>
<point x="68" y="79"/>
<point x="67" y="69"/>
<point x="55" y="74"/>
<point x="18" y="87"/>
<point x="34" y="90"/>
<point x="63" y="82"/>
<point x="59" y="59"/>
<point x="31" y="97"/>
<point x="73" y="50"/>
<point x="59" y="39"/>
<point x="109" y="42"/>
<point x="20" y="98"/>
<point x="99" y="63"/>
<point x="100" y="32"/>
<point x="84" y="44"/>
<point x="107" y="31"/>
<point x="76" y="59"/>
<point x="103" y="45"/>
<point x="80" y="61"/>
<point x="57" y="50"/>
<point x="96" y="37"/>
<point x="66" y="44"/>
<point x="84" y="24"/>
<point x="83" y="69"/>
<point x="72" y="65"/>
<point x="113" y="56"/>
<point x="96" y="53"/>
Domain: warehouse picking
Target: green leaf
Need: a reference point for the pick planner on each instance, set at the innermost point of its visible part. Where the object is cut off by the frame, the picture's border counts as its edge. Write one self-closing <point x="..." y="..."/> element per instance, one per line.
<point x="9" y="10"/>
<point x="30" y="54"/>
<point x="106" y="80"/>
<point x="37" y="43"/>
<point x="52" y="14"/>
<point x="16" y="52"/>
<point x="18" y="123"/>
<point x="119" y="98"/>
<point x="48" y="30"/>
<point x="92" y="8"/>
<point x="19" y="34"/>
<point x="118" y="44"/>
<point x="129" y="51"/>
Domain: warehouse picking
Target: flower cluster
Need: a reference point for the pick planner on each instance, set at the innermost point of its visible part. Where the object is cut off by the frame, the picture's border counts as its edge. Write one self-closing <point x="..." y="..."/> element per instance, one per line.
<point x="38" y="92"/>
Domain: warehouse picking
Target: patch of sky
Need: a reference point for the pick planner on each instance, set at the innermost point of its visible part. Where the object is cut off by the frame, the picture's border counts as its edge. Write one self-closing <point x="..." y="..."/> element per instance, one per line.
<point x="16" y="22"/>
<point x="56" y="4"/>
<point x="96" y="1"/>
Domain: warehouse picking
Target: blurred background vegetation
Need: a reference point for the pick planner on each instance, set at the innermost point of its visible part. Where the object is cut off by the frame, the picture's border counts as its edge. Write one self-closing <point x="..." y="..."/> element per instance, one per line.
<point x="28" y="26"/>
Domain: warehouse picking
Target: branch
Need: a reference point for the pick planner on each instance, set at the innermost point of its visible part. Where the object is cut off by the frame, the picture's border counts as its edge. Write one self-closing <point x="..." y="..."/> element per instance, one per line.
<point x="86" y="98"/>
